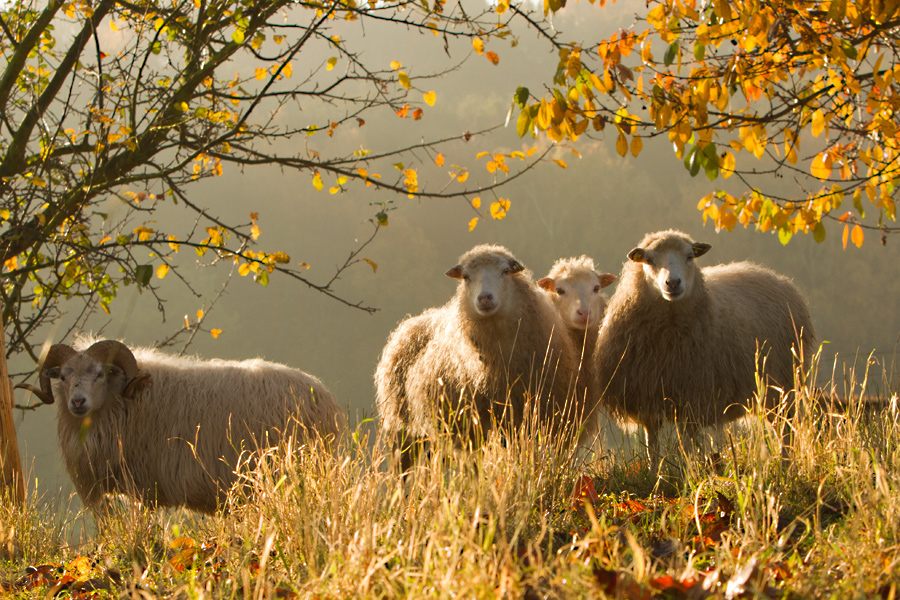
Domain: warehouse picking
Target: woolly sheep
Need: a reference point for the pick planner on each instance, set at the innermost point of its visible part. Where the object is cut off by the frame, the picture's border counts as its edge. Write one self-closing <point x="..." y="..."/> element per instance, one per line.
<point x="682" y="342"/>
<point x="573" y="286"/>
<point x="169" y="430"/>
<point x="495" y="342"/>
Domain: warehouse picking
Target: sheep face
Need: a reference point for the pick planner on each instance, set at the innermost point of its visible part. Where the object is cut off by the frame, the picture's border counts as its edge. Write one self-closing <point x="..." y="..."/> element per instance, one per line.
<point x="486" y="280"/>
<point x="85" y="384"/>
<point x="577" y="297"/>
<point x="668" y="264"/>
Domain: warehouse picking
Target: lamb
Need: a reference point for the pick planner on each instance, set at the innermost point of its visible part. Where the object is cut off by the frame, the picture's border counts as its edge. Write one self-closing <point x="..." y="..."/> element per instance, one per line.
<point x="687" y="343"/>
<point x="169" y="430"/>
<point x="573" y="286"/>
<point x="477" y="360"/>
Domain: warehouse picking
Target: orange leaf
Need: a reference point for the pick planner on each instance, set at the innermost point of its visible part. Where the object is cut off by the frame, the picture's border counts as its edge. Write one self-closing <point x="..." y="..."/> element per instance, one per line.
<point x="845" y="235"/>
<point x="439" y="159"/>
<point x="856" y="236"/>
<point x="403" y="111"/>
<point x="492" y="56"/>
<point x="417" y="114"/>
<point x="473" y="223"/>
<point x="215" y="333"/>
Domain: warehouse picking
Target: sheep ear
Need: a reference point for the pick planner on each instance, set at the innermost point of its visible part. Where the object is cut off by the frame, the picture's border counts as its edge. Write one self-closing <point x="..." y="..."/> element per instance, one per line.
<point x="700" y="248"/>
<point x="515" y="266"/>
<point x="547" y="284"/>
<point x="455" y="272"/>
<point x="606" y="279"/>
<point x="137" y="385"/>
<point x="637" y="255"/>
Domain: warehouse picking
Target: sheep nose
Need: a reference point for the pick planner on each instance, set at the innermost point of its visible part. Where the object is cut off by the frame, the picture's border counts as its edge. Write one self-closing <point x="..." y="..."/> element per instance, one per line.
<point x="485" y="298"/>
<point x="77" y="402"/>
<point x="673" y="283"/>
<point x="584" y="314"/>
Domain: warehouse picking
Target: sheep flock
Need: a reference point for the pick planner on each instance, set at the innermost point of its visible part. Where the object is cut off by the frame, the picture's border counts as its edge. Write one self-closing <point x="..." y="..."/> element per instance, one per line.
<point x="674" y="343"/>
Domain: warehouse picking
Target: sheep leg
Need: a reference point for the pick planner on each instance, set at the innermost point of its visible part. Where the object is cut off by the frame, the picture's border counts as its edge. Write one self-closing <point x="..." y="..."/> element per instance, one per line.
<point x="651" y="432"/>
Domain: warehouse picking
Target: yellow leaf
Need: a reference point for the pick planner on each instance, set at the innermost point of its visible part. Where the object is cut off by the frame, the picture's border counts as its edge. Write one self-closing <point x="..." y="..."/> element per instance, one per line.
<point x="439" y="159"/>
<point x="481" y="154"/>
<point x="113" y="137"/>
<point x="255" y="232"/>
<point x="162" y="271"/>
<point x="371" y="264"/>
<point x="11" y="264"/>
<point x="821" y="166"/>
<point x="331" y="62"/>
<point x="462" y="176"/>
<point x="317" y="181"/>
<point x="403" y="78"/>
<point x="621" y="144"/>
<point x="561" y="163"/>
<point x="244" y="269"/>
<point x="287" y="70"/>
<point x="430" y="98"/>
<point x="200" y="314"/>
<point x="856" y="236"/>
<point x="478" y="45"/>
<point x="395" y="65"/>
<point x="112" y="25"/>
<point x="499" y="208"/>
<point x="845" y="234"/>
<point x="173" y="243"/>
<point x="473" y="223"/>
<point x="818" y="123"/>
<point x="636" y="146"/>
<point x="260" y="73"/>
<point x="726" y="166"/>
<point x="476" y="202"/>
<point x="215" y="333"/>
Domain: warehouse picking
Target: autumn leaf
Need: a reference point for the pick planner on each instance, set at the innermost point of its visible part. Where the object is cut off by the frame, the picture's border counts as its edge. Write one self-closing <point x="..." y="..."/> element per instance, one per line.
<point x="439" y="159"/>
<point x="331" y="63"/>
<point x="317" y="181"/>
<point x="162" y="271"/>
<point x="621" y="144"/>
<point x="215" y="333"/>
<point x="478" y="45"/>
<point x="372" y="264"/>
<point x="430" y="98"/>
<point x="403" y="78"/>
<point x="473" y="223"/>
<point x="493" y="57"/>
<point x="821" y="166"/>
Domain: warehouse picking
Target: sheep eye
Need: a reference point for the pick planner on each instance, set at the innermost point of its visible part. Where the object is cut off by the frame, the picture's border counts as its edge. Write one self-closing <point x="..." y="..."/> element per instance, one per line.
<point x="466" y="278"/>
<point x="561" y="291"/>
<point x="690" y="257"/>
<point x="596" y="288"/>
<point x="648" y="262"/>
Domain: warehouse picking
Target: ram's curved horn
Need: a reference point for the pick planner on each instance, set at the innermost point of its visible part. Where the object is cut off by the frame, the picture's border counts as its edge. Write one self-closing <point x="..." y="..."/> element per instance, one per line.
<point x="36" y="391"/>
<point x="58" y="355"/>
<point x="112" y="352"/>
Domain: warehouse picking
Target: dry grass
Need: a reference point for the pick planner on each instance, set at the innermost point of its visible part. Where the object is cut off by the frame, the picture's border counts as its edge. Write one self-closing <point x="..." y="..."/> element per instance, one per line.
<point x="516" y="519"/>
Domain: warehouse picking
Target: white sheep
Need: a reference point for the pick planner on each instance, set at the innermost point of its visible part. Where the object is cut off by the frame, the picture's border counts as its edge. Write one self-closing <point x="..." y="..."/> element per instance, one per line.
<point x="680" y="342"/>
<point x="478" y="360"/>
<point x="574" y="287"/>
<point x="169" y="430"/>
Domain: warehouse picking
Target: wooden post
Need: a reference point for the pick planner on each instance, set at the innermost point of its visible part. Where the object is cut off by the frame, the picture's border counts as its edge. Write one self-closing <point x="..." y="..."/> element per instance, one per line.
<point x="11" y="474"/>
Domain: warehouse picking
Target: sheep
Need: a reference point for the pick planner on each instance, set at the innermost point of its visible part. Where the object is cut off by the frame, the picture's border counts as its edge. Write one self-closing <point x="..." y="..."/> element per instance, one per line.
<point x="573" y="286"/>
<point x="475" y="360"/>
<point x="687" y="343"/>
<point x="166" y="430"/>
